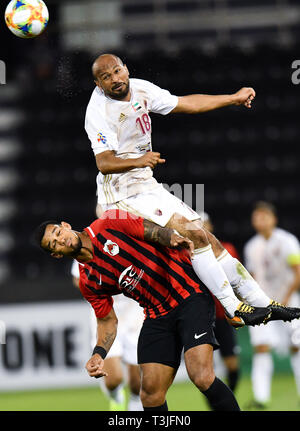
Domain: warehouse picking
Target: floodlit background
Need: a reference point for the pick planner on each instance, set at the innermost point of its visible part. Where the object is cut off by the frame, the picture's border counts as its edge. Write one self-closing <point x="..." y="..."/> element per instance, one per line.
<point x="47" y="168"/>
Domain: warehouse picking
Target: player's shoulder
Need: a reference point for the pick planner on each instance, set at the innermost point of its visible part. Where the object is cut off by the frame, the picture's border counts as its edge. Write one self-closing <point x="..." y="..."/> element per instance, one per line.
<point x="284" y="235"/>
<point x="143" y="85"/>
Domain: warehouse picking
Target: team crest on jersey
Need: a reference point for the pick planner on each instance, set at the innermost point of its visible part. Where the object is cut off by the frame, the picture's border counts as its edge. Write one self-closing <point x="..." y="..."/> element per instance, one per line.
<point x="101" y="138"/>
<point x="111" y="247"/>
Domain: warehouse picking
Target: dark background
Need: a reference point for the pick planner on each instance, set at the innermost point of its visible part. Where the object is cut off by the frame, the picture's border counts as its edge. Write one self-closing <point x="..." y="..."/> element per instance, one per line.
<point x="240" y="155"/>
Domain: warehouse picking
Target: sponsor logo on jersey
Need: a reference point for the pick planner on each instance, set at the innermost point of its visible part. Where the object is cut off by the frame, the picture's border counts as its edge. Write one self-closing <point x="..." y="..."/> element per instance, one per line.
<point x="122" y="117"/>
<point x="158" y="212"/>
<point x="144" y="147"/>
<point x="130" y="278"/>
<point x="101" y="138"/>
<point x="111" y="247"/>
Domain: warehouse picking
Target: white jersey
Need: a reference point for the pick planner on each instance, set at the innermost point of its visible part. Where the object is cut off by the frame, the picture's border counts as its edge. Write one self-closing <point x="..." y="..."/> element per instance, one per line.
<point x="270" y="260"/>
<point x="125" y="127"/>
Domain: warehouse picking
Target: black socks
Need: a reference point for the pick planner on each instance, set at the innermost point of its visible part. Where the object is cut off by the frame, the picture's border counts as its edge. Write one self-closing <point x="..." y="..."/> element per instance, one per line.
<point x="220" y="397"/>
<point x="163" y="407"/>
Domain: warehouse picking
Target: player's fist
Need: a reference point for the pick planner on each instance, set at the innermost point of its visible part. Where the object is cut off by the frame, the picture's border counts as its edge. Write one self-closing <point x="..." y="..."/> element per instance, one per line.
<point x="95" y="366"/>
<point x="150" y="159"/>
<point x="180" y="241"/>
<point x="244" y="97"/>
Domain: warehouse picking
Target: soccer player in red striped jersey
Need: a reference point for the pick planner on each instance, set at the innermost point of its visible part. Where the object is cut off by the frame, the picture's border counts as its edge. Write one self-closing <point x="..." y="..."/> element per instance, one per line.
<point x="122" y="253"/>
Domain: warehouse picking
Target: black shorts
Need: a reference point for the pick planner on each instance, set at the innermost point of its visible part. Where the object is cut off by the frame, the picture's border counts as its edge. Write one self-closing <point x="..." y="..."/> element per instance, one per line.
<point x="226" y="337"/>
<point x="190" y="324"/>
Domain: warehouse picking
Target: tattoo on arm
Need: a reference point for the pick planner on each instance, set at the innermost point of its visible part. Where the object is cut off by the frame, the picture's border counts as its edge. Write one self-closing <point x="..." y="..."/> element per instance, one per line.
<point x="108" y="340"/>
<point x="156" y="233"/>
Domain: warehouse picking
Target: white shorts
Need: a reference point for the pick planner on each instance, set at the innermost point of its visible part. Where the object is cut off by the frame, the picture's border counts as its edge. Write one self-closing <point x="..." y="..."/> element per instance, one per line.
<point x="157" y="205"/>
<point x="277" y="334"/>
<point x="130" y="320"/>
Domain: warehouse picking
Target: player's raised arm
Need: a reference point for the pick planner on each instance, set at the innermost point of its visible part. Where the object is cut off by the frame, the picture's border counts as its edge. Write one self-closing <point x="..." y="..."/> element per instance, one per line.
<point x="106" y="333"/>
<point x="198" y="103"/>
<point x="108" y="163"/>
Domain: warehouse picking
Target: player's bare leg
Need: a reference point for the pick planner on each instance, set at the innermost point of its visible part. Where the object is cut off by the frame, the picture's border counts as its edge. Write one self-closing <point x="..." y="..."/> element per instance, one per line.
<point x="211" y="273"/>
<point x="134" y="383"/>
<point x="156" y="380"/>
<point x="199" y="365"/>
<point x="113" y="385"/>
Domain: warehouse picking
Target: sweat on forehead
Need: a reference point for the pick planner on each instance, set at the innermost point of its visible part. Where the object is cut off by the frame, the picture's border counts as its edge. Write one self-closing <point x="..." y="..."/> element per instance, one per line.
<point x="104" y="60"/>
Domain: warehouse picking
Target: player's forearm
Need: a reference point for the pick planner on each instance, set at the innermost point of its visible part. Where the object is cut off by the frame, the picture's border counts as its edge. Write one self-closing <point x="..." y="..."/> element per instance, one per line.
<point x="106" y="332"/>
<point x="197" y="103"/>
<point x="110" y="164"/>
<point x="156" y="233"/>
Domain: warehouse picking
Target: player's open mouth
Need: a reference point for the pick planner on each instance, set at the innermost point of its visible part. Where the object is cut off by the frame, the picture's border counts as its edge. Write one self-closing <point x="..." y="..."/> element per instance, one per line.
<point x="118" y="86"/>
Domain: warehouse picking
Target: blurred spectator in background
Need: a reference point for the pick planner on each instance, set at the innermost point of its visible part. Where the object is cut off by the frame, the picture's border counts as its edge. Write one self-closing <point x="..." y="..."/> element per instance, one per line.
<point x="124" y="350"/>
<point x="225" y="333"/>
<point x="273" y="258"/>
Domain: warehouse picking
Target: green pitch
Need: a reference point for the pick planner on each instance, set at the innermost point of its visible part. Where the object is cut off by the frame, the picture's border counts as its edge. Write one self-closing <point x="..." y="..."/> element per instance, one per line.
<point x="181" y="397"/>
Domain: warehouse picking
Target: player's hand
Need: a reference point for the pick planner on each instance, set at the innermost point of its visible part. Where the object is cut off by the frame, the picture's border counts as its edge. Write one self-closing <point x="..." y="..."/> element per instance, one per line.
<point x="95" y="366"/>
<point x="180" y="241"/>
<point x="244" y="96"/>
<point x="150" y="159"/>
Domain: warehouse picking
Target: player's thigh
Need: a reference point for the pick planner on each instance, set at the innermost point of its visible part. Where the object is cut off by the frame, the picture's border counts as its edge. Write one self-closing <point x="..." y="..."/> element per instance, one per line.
<point x="157" y="205"/>
<point x="199" y="365"/>
<point x="113" y="367"/>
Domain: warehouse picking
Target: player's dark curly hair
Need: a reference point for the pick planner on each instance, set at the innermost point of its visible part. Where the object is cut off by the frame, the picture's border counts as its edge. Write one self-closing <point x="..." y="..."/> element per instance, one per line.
<point x="40" y="232"/>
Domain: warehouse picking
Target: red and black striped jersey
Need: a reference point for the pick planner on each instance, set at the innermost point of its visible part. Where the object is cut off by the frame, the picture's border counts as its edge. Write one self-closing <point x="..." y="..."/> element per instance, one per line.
<point x="157" y="277"/>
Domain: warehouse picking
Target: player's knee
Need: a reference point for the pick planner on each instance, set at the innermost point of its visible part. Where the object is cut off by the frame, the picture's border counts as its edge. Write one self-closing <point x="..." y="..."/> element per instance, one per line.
<point x="203" y="379"/>
<point x="113" y="381"/>
<point x="151" y="394"/>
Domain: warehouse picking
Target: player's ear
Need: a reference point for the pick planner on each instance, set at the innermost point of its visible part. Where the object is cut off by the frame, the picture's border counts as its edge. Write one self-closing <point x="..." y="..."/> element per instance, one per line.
<point x="126" y="69"/>
<point x="66" y="225"/>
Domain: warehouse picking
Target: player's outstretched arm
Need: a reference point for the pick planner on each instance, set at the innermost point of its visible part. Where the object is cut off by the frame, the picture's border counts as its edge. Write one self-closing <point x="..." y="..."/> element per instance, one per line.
<point x="198" y="103"/>
<point x="108" y="163"/>
<point x="166" y="236"/>
<point x="106" y="333"/>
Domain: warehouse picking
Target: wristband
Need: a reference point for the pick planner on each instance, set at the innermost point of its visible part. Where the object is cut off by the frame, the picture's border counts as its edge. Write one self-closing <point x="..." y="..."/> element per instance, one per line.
<point x="100" y="350"/>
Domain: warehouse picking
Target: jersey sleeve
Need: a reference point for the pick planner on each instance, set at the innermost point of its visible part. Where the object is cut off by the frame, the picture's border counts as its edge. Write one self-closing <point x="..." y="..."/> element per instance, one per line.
<point x="292" y="250"/>
<point x="161" y="101"/>
<point x="125" y="222"/>
<point x="102" y="304"/>
<point x="101" y="136"/>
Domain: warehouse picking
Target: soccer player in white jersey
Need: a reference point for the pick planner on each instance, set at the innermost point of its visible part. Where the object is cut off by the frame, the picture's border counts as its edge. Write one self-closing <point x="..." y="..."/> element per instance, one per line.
<point x="273" y="257"/>
<point x="123" y="352"/>
<point x="119" y="128"/>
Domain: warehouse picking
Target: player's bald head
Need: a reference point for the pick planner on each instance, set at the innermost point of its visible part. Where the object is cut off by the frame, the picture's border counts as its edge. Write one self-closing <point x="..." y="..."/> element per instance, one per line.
<point x="104" y="61"/>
